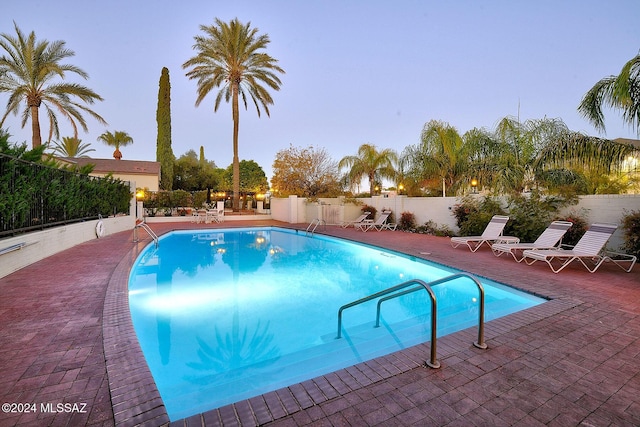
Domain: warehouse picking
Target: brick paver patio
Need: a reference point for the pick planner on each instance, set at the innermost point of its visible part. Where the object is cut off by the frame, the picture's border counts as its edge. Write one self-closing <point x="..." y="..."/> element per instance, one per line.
<point x="65" y="338"/>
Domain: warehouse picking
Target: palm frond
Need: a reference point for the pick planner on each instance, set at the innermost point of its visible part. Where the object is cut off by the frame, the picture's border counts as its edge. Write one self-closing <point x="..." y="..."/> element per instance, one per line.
<point x="31" y="69"/>
<point x="620" y="92"/>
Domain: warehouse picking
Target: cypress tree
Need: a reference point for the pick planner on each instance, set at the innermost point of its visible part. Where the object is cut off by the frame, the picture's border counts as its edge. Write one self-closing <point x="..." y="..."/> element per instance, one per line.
<point x="164" y="152"/>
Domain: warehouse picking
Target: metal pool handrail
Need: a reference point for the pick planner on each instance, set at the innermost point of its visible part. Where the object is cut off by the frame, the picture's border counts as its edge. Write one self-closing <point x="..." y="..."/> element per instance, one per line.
<point x="480" y="343"/>
<point x="145" y="227"/>
<point x="315" y="223"/>
<point x="433" y="362"/>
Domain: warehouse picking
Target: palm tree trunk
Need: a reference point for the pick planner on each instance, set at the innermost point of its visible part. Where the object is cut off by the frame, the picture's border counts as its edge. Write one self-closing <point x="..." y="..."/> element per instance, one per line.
<point x="236" y="160"/>
<point x="372" y="183"/>
<point x="36" y="138"/>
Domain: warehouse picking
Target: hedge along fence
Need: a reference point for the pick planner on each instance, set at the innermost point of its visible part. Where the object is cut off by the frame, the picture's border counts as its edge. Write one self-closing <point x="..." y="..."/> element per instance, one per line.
<point x="35" y="196"/>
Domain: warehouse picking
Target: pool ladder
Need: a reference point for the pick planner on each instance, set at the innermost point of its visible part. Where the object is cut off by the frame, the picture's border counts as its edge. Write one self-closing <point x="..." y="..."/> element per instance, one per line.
<point x="145" y="227"/>
<point x="394" y="292"/>
<point x="315" y="223"/>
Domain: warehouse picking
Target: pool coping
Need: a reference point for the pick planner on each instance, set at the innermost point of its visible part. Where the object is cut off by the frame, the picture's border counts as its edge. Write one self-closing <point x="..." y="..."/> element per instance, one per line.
<point x="136" y="399"/>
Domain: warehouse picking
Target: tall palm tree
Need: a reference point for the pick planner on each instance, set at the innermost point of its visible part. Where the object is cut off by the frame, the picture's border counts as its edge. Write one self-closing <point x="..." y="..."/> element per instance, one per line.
<point x="71" y="147"/>
<point x="370" y="163"/>
<point x="30" y="70"/>
<point x="404" y="182"/>
<point x="230" y="57"/>
<point x="541" y="152"/>
<point x="441" y="158"/>
<point x="117" y="139"/>
<point x="621" y="92"/>
<point x="504" y="159"/>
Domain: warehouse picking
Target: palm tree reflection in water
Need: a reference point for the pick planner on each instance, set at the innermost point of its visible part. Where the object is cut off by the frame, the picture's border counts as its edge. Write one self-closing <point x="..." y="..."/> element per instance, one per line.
<point x="240" y="348"/>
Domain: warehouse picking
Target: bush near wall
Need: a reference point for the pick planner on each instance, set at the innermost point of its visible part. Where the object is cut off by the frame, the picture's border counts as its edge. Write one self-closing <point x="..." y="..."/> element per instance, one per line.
<point x="473" y="214"/>
<point x="577" y="230"/>
<point x="528" y="216"/>
<point x="631" y="227"/>
<point x="407" y="221"/>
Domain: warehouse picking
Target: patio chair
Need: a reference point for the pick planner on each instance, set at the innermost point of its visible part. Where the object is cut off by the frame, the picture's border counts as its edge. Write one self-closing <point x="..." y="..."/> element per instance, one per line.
<point x="358" y="220"/>
<point x="379" y="224"/>
<point x="200" y="215"/>
<point x="550" y="238"/>
<point x="491" y="234"/>
<point x="388" y="226"/>
<point x="589" y="251"/>
<point x="215" y="215"/>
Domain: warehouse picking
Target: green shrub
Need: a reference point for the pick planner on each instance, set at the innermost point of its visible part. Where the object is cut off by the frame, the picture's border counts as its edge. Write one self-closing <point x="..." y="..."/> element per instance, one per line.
<point x="473" y="214"/>
<point x="407" y="221"/>
<point x="530" y="215"/>
<point x="432" y="228"/>
<point x="462" y="211"/>
<point x="576" y="231"/>
<point x="631" y="226"/>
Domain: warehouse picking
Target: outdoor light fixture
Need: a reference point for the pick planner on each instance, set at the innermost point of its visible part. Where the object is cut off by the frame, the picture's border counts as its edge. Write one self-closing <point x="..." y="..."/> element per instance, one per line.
<point x="474" y="186"/>
<point x="139" y="199"/>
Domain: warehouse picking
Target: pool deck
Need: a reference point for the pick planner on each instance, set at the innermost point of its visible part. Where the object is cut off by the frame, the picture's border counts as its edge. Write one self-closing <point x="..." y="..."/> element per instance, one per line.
<point x="65" y="338"/>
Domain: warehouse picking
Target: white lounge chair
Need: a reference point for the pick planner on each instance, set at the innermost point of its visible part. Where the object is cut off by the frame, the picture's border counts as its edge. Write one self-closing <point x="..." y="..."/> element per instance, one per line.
<point x="491" y="234"/>
<point x="384" y="223"/>
<point x="550" y="238"/>
<point x="589" y="251"/>
<point x="358" y="220"/>
<point x="379" y="224"/>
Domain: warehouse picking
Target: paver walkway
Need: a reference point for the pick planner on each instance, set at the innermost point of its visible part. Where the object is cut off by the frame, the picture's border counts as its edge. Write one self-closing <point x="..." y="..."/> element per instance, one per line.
<point x="572" y="361"/>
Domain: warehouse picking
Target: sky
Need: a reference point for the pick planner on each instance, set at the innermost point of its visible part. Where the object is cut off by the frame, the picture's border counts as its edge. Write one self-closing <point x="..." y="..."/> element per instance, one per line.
<point x="356" y="71"/>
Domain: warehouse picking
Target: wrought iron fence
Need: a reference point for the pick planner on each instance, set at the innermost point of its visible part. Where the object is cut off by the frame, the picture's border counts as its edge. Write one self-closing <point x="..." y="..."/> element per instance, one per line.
<point x="34" y="196"/>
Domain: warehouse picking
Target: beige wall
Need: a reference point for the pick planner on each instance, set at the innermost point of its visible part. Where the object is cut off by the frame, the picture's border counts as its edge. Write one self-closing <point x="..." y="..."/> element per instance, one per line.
<point x="41" y="244"/>
<point x="598" y="208"/>
<point x="152" y="182"/>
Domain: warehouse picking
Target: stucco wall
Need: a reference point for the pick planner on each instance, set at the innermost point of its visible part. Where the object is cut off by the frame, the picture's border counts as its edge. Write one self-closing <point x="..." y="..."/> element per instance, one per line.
<point x="598" y="208"/>
<point x="41" y="244"/>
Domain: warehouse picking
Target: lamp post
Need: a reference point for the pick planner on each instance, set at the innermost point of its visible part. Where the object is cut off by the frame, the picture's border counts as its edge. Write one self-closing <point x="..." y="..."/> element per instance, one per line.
<point x="139" y="201"/>
<point x="400" y="188"/>
<point x="139" y="198"/>
<point x="474" y="186"/>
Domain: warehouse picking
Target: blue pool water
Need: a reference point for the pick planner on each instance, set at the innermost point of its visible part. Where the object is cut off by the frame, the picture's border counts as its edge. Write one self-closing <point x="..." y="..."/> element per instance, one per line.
<point x="224" y="315"/>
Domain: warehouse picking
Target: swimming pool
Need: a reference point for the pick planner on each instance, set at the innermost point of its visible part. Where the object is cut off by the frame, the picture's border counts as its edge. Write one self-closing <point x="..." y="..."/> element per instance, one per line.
<point x="223" y="315"/>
